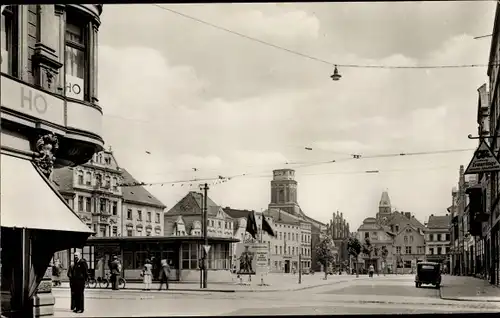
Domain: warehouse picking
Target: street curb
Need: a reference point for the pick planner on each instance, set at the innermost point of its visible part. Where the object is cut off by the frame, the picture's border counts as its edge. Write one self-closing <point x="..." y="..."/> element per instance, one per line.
<point x="166" y="291"/>
<point x="222" y="290"/>
<point x="464" y="299"/>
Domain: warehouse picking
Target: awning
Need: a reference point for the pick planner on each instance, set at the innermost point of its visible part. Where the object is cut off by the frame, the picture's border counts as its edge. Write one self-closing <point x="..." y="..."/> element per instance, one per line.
<point x="28" y="201"/>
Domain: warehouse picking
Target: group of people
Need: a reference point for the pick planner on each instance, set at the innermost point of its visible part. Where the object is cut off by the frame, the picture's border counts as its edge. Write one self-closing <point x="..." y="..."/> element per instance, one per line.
<point x="147" y="274"/>
<point x="78" y="274"/>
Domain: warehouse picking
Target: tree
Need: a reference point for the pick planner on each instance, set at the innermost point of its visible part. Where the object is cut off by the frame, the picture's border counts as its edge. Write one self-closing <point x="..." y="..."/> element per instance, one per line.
<point x="384" y="252"/>
<point x="325" y="253"/>
<point x="354" y="249"/>
<point x="368" y="249"/>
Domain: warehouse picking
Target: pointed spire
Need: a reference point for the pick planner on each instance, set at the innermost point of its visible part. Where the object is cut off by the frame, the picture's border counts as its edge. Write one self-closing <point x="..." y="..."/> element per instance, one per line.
<point x="385" y="202"/>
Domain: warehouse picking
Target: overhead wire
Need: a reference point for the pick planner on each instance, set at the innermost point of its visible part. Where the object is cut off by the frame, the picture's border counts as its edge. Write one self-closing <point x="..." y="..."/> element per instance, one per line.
<point x="316" y="58"/>
<point x="223" y="179"/>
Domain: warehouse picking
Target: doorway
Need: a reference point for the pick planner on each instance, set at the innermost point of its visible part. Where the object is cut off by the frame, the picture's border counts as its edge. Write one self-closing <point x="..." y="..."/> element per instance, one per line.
<point x="287" y="266"/>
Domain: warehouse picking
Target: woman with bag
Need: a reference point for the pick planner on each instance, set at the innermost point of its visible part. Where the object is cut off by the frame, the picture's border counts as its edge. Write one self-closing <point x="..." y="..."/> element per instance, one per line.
<point x="147" y="274"/>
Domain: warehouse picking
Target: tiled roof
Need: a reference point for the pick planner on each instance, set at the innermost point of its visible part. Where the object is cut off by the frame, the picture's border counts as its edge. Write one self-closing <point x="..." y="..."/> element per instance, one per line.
<point x="438" y="222"/>
<point x="281" y="216"/>
<point x="138" y="194"/>
<point x="399" y="217"/>
<point x="192" y="204"/>
<point x="63" y="179"/>
<point x="235" y="213"/>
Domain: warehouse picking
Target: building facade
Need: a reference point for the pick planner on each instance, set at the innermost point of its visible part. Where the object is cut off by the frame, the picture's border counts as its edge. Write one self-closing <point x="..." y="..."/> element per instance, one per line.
<point x="92" y="190"/>
<point x="438" y="239"/>
<point x="491" y="229"/>
<point x="50" y="117"/>
<point x="399" y="232"/>
<point x="338" y="230"/>
<point x="142" y="213"/>
<point x="109" y="200"/>
<point x="284" y="197"/>
<point x="379" y="237"/>
<point x="184" y="219"/>
<point x="293" y="238"/>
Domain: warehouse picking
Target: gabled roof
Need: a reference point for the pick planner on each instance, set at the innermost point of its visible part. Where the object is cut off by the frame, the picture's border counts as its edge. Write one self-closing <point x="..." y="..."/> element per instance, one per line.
<point x="236" y="213"/>
<point x="138" y="194"/>
<point x="63" y="179"/>
<point x="191" y="204"/>
<point x="398" y="217"/>
<point x="280" y="216"/>
<point x="439" y="222"/>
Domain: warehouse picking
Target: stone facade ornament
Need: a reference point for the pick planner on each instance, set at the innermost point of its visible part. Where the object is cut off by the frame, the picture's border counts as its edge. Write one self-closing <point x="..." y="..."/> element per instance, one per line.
<point x="46" y="147"/>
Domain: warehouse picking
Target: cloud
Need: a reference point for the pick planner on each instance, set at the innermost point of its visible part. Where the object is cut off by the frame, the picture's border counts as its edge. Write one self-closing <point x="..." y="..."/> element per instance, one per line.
<point x="198" y="97"/>
<point x="286" y="25"/>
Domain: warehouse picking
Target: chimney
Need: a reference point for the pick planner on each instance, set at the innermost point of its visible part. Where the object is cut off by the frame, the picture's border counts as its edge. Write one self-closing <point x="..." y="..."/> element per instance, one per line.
<point x="408" y="215"/>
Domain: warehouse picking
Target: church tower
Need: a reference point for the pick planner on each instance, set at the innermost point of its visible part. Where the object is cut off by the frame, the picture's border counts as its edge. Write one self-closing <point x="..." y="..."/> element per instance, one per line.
<point x="384" y="207"/>
<point x="284" y="191"/>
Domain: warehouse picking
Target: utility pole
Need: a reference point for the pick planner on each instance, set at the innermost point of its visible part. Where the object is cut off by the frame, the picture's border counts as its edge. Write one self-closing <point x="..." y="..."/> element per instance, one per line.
<point x="300" y="268"/>
<point x="205" y="236"/>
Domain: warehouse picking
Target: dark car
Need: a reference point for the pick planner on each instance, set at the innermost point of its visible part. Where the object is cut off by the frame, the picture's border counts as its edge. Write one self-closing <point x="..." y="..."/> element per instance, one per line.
<point x="428" y="273"/>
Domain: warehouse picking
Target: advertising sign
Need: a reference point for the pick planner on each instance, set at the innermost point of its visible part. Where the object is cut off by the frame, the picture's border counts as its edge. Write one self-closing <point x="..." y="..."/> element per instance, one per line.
<point x="74" y="87"/>
<point x="261" y="255"/>
<point x="483" y="161"/>
<point x="30" y="101"/>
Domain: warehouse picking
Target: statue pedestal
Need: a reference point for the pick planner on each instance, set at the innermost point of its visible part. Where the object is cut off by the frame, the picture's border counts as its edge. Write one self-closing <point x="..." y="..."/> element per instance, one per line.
<point x="44" y="301"/>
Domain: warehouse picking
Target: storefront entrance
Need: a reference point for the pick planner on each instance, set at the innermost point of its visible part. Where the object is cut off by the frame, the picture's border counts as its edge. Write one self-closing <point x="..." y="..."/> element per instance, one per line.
<point x="287" y="266"/>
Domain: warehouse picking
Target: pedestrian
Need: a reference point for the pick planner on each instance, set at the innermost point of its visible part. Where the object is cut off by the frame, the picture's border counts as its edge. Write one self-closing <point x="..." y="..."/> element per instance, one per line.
<point x="56" y="273"/>
<point x="371" y="269"/>
<point x="114" y="268"/>
<point x="164" y="273"/>
<point x="78" y="275"/>
<point x="147" y="274"/>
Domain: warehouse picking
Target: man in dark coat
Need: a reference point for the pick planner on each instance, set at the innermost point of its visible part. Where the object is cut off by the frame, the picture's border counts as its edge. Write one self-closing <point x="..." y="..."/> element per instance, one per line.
<point x="78" y="275"/>
<point x="114" y="268"/>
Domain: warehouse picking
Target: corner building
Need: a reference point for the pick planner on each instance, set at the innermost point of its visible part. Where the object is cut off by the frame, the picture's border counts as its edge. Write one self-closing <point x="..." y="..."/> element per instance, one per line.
<point x="50" y="118"/>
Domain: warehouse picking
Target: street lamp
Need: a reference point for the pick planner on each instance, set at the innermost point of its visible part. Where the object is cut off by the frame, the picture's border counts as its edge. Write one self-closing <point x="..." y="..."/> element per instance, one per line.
<point x="335" y="76"/>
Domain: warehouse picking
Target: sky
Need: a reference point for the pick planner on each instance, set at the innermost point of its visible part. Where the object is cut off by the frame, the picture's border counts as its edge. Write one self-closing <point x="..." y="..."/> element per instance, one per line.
<point x="178" y="94"/>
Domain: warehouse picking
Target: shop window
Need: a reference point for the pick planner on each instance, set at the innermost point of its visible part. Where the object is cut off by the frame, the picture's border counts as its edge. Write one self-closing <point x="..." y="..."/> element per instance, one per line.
<point x="140" y="259"/>
<point x="9" y="40"/>
<point x="128" y="258"/>
<point x="76" y="57"/>
<point x="189" y="256"/>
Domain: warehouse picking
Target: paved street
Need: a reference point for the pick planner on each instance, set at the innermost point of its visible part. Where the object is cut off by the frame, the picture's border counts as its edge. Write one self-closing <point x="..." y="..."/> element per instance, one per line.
<point x="389" y="294"/>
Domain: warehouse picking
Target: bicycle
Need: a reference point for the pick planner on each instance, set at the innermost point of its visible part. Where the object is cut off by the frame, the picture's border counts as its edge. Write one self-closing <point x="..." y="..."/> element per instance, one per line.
<point x="122" y="283"/>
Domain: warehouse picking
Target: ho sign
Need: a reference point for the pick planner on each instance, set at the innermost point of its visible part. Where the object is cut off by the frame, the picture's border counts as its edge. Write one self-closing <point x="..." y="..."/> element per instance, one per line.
<point x="74" y="87"/>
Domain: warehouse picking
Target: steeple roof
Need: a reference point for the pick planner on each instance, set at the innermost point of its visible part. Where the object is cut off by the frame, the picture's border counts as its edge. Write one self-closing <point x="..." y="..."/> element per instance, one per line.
<point x="385" y="202"/>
